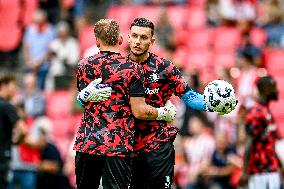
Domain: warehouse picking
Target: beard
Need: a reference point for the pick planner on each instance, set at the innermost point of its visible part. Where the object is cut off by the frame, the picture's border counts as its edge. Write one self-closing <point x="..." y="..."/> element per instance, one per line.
<point x="141" y="53"/>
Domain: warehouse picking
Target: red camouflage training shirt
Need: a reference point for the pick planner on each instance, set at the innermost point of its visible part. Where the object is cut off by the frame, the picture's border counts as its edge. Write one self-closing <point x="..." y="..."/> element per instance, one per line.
<point x="161" y="80"/>
<point x="260" y="126"/>
<point x="107" y="128"/>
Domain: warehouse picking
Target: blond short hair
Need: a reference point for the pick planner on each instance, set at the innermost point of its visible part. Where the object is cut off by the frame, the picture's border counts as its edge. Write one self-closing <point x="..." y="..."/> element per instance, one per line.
<point x="107" y="30"/>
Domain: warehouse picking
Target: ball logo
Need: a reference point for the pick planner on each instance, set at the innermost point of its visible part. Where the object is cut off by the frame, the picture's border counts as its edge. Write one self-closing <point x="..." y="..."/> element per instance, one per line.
<point x="226" y="95"/>
<point x="213" y="102"/>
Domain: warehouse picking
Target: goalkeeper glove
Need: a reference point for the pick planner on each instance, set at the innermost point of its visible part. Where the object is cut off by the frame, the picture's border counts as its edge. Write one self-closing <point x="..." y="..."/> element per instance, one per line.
<point x="167" y="113"/>
<point x="94" y="92"/>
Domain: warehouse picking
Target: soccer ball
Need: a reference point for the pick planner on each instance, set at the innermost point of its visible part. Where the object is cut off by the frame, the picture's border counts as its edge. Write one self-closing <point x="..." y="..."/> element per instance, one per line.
<point x="220" y="97"/>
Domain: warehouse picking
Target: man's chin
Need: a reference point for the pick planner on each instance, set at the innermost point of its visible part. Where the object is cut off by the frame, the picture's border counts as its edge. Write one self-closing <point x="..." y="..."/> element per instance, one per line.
<point x="137" y="53"/>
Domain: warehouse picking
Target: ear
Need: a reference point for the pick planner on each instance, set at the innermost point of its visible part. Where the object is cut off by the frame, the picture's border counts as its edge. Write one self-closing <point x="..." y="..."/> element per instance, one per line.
<point x="120" y="40"/>
<point x="98" y="43"/>
<point x="153" y="40"/>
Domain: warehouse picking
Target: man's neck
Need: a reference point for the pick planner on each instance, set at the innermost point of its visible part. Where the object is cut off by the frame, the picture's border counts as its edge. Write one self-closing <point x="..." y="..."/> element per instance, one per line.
<point x="109" y="48"/>
<point x="139" y="59"/>
<point x="263" y="101"/>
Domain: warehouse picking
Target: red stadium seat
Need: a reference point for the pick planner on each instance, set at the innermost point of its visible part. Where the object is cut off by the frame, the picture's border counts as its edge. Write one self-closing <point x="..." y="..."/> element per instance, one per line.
<point x="280" y="85"/>
<point x="61" y="127"/>
<point x="122" y="14"/>
<point x="10" y="12"/>
<point x="226" y="39"/>
<point x="75" y="121"/>
<point x="277" y="109"/>
<point x="224" y="59"/>
<point x="29" y="9"/>
<point x="198" y="40"/>
<point x="274" y="61"/>
<point x="58" y="104"/>
<point x="197" y="3"/>
<point x="177" y="16"/>
<point x="86" y="38"/>
<point x="197" y="61"/>
<point x="258" y="37"/>
<point x="280" y="128"/>
<point x="195" y="18"/>
<point x="149" y="12"/>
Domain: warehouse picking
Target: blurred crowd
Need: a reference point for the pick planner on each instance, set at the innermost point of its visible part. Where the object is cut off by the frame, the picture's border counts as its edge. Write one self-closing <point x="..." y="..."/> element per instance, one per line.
<point x="235" y="40"/>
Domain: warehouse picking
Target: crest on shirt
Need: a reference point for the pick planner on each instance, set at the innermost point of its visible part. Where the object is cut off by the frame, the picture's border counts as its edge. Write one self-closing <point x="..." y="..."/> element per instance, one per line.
<point x="154" y="77"/>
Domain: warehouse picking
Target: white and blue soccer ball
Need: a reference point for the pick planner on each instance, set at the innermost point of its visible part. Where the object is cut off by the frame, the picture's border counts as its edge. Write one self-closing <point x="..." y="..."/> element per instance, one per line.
<point x="220" y="97"/>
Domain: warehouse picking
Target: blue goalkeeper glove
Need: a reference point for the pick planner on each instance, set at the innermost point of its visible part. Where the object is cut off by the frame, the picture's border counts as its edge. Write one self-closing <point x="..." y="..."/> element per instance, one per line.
<point x="195" y="100"/>
<point x="94" y="92"/>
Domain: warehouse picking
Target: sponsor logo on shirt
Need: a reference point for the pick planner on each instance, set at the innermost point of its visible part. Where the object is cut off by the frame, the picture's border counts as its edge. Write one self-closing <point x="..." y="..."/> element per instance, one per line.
<point x="152" y="91"/>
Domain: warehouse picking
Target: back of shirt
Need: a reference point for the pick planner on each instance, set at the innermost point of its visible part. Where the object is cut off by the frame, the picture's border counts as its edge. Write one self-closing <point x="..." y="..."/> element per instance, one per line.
<point x="260" y="126"/>
<point x="8" y="119"/>
<point x="107" y="127"/>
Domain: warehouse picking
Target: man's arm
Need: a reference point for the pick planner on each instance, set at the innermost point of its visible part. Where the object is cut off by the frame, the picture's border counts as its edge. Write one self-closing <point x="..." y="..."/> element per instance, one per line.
<point x="19" y="132"/>
<point x="143" y="111"/>
<point x="195" y="100"/>
<point x="181" y="88"/>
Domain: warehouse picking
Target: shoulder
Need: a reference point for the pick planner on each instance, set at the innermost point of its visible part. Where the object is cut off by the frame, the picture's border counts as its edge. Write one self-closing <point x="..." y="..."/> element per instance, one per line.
<point x="7" y="107"/>
<point x="256" y="112"/>
<point x="160" y="60"/>
<point x="87" y="60"/>
<point x="5" y="104"/>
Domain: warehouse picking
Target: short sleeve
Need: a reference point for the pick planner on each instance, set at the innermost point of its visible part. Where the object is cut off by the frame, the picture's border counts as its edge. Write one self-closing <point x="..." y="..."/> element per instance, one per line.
<point x="136" y="82"/>
<point x="176" y="80"/>
<point x="81" y="76"/>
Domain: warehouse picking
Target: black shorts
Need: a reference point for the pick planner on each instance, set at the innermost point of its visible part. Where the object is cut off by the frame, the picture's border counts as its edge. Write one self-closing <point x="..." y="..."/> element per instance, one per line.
<point x="114" y="171"/>
<point x="154" y="170"/>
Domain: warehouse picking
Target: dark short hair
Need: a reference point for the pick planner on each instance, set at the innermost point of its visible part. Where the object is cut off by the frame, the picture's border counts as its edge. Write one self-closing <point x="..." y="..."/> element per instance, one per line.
<point x="264" y="81"/>
<point x="6" y="77"/>
<point x="107" y="30"/>
<point x="143" y="22"/>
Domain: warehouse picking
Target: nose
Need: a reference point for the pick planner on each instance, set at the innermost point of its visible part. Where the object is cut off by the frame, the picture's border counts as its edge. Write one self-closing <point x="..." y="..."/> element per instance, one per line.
<point x="137" y="41"/>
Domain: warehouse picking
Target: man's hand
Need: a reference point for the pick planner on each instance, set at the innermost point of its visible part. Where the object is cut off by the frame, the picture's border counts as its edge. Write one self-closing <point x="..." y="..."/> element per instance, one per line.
<point x="94" y="92"/>
<point x="167" y="113"/>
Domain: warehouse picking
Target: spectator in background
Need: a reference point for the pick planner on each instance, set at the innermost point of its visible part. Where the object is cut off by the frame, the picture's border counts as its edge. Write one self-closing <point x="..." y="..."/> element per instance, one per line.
<point x="164" y="31"/>
<point x="52" y="8"/>
<point x="246" y="82"/>
<point x="11" y="125"/>
<point x="37" y="39"/>
<point x="275" y="27"/>
<point x="246" y="47"/>
<point x="213" y="12"/>
<point x="50" y="173"/>
<point x="198" y="149"/>
<point x="33" y="99"/>
<point x="25" y="157"/>
<point x="65" y="55"/>
<point x="220" y="169"/>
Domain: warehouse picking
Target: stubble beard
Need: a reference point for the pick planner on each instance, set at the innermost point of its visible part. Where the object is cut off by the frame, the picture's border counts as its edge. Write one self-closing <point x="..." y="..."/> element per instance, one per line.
<point x="140" y="54"/>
